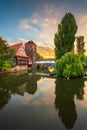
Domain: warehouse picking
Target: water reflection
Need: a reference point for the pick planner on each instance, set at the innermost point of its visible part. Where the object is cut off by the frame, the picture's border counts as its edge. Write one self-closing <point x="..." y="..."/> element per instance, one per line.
<point x="32" y="83"/>
<point x="16" y="83"/>
<point x="66" y="91"/>
<point x="4" y="97"/>
<point x="54" y="102"/>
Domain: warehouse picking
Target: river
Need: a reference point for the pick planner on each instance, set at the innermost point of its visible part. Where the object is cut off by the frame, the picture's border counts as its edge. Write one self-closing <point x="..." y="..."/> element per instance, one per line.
<point x="33" y="102"/>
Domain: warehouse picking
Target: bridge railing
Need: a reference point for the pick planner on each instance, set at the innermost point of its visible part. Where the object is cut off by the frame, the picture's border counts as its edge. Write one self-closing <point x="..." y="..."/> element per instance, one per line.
<point x="44" y="62"/>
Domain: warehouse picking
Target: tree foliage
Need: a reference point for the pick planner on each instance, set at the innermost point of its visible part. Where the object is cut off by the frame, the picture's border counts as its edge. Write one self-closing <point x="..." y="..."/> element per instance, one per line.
<point x="65" y="37"/>
<point x="80" y="44"/>
<point x="3" y="46"/>
<point x="6" y="55"/>
<point x="70" y="65"/>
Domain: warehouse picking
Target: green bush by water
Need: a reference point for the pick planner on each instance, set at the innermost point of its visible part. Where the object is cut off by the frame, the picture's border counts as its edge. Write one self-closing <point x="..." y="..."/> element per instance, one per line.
<point x="4" y="65"/>
<point x="70" y="65"/>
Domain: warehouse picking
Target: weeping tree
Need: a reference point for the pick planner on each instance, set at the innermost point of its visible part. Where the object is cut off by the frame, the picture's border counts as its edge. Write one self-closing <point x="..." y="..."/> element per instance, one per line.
<point x="70" y="65"/>
<point x="80" y="44"/>
<point x="65" y="37"/>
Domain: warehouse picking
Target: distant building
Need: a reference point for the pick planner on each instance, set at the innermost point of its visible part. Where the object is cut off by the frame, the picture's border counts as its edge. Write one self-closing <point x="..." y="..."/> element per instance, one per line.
<point x="30" y="49"/>
<point x="20" y="58"/>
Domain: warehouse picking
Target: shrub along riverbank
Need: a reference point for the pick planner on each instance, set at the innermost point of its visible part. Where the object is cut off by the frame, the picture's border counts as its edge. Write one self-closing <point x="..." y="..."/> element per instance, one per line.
<point x="6" y="56"/>
<point x="70" y="65"/>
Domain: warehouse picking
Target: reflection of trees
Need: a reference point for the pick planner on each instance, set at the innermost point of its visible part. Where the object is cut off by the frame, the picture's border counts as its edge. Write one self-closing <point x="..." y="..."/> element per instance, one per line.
<point x="17" y="83"/>
<point x="4" y="91"/>
<point x="65" y="92"/>
<point x="4" y="97"/>
<point x="9" y="85"/>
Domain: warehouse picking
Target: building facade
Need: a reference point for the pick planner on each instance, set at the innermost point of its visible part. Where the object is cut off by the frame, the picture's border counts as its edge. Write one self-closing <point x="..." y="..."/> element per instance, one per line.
<point x="30" y="49"/>
<point x="20" y="58"/>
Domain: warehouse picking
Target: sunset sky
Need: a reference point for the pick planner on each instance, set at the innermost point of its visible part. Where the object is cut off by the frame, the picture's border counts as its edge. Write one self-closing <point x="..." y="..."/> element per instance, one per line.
<point x="38" y="19"/>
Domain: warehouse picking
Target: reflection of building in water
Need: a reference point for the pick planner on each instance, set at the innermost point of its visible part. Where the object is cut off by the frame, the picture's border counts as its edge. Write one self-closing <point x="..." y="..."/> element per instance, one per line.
<point x="21" y="89"/>
<point x="64" y="100"/>
<point x="32" y="83"/>
<point x="17" y="83"/>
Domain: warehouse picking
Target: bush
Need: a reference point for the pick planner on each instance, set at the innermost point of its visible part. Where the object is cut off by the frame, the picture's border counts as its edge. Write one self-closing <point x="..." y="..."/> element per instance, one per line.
<point x="4" y="64"/>
<point x="7" y="61"/>
<point x="83" y="59"/>
<point x="70" y="65"/>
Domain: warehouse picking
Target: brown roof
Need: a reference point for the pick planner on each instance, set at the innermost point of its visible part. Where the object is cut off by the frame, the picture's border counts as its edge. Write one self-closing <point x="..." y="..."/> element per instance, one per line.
<point x="30" y="42"/>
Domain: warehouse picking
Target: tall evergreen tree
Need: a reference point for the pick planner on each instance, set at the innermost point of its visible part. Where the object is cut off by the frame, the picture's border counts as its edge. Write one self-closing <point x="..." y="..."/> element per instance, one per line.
<point x="65" y="37"/>
<point x="80" y="44"/>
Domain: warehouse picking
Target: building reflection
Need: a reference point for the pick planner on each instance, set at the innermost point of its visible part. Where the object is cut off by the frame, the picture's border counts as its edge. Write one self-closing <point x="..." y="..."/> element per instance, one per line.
<point x="16" y="83"/>
<point x="32" y="83"/>
<point x="66" y="91"/>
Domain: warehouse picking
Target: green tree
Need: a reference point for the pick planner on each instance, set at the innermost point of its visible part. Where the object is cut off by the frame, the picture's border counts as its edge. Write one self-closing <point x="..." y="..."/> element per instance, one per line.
<point x="65" y="37"/>
<point x="3" y="47"/>
<point x="6" y="55"/>
<point x="70" y="65"/>
<point x="80" y="44"/>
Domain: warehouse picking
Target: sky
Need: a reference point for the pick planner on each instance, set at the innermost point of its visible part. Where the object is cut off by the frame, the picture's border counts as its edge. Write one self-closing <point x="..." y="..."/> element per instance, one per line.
<point x="22" y="20"/>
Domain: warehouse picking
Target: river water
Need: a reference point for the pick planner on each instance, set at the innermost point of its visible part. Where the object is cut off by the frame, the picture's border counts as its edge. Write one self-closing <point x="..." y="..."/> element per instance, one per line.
<point x="34" y="102"/>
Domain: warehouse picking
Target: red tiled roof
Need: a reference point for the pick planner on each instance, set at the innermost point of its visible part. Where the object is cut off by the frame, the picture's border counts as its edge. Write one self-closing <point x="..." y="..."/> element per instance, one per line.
<point x="16" y="47"/>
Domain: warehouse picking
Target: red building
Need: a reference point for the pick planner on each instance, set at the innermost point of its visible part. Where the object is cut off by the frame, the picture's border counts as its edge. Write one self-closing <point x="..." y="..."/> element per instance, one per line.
<point x="20" y="58"/>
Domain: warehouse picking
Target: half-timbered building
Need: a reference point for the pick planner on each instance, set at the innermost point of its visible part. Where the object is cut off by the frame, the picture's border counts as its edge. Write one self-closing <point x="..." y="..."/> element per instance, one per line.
<point x="20" y="58"/>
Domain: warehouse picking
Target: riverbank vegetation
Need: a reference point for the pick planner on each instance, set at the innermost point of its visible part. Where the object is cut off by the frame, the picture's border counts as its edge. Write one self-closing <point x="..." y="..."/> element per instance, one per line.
<point x="6" y="56"/>
<point x="70" y="65"/>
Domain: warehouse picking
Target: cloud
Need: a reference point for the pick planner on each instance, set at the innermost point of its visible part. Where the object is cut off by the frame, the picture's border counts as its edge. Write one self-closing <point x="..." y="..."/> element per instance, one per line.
<point x="35" y="21"/>
<point x="15" y="41"/>
<point x="49" y="27"/>
<point x="24" y="24"/>
<point x="42" y="25"/>
<point x="46" y="52"/>
<point x="22" y="40"/>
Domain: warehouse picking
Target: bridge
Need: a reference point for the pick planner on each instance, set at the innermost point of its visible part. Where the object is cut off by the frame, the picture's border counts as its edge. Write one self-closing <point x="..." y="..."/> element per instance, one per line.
<point x="44" y="63"/>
